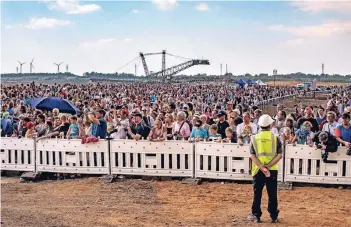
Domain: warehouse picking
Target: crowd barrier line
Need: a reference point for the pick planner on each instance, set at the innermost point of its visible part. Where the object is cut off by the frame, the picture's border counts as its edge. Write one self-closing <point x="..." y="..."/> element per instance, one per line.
<point x="71" y="156"/>
<point x="225" y="161"/>
<point x="167" y="158"/>
<point x="211" y="160"/>
<point x="17" y="154"/>
<point x="304" y="164"/>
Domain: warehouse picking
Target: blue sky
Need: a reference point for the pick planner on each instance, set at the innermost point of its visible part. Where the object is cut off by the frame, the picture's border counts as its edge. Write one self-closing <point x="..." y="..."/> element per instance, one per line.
<point x="250" y="37"/>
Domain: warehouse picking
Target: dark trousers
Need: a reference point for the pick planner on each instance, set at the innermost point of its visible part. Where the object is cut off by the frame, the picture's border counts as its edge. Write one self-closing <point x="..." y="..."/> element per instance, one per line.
<point x="259" y="180"/>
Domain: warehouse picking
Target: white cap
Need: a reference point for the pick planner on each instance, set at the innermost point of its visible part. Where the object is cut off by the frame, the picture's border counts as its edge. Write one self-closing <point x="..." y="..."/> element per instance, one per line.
<point x="265" y="120"/>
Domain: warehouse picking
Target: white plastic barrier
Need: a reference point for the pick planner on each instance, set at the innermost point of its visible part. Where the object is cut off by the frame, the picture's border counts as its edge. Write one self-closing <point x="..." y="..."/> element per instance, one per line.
<point x="304" y="164"/>
<point x="224" y="161"/>
<point x="169" y="158"/>
<point x="70" y="156"/>
<point x="17" y="154"/>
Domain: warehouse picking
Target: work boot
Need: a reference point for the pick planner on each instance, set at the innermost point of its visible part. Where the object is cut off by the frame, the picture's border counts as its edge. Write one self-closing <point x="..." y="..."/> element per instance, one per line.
<point x="253" y="218"/>
<point x="275" y="221"/>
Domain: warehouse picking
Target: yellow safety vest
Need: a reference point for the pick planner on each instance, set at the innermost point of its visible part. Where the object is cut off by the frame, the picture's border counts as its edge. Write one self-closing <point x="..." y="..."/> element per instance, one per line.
<point x="265" y="146"/>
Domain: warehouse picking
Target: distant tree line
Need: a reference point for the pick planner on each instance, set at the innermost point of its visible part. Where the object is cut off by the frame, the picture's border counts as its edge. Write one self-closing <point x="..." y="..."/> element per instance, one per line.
<point x="182" y="77"/>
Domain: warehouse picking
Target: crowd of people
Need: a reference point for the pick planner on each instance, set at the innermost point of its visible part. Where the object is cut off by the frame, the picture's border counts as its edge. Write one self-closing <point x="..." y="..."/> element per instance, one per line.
<point x="158" y="112"/>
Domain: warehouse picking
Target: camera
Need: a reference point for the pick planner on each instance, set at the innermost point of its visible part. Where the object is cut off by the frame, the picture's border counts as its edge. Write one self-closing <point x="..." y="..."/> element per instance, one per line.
<point x="348" y="152"/>
<point x="319" y="146"/>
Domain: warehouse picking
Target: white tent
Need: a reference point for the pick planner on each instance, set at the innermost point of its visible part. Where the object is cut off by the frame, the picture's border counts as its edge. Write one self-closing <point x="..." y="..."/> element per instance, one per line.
<point x="259" y="82"/>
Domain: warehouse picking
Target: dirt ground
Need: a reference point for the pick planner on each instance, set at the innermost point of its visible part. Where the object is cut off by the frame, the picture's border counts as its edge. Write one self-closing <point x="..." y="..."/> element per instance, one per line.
<point x="321" y="99"/>
<point x="295" y="82"/>
<point x="90" y="202"/>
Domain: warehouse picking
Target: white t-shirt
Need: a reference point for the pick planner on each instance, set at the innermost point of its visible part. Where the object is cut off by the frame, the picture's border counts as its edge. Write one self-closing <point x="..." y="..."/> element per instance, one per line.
<point x="121" y="132"/>
<point x="327" y="127"/>
<point x="240" y="128"/>
<point x="275" y="131"/>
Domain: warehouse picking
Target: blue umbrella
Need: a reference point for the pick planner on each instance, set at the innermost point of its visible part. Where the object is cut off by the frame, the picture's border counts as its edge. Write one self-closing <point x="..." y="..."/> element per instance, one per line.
<point x="50" y="103"/>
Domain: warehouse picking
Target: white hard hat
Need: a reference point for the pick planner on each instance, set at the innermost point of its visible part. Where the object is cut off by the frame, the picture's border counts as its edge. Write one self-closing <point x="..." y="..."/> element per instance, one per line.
<point x="265" y="120"/>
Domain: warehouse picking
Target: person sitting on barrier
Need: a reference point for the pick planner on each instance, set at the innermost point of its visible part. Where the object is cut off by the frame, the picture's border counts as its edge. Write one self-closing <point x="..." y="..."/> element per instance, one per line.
<point x="213" y="134"/>
<point x="138" y="130"/>
<point x="158" y="132"/>
<point x="327" y="143"/>
<point x="230" y="136"/>
<point x="343" y="131"/>
<point x="304" y="134"/>
<point x="73" y="131"/>
<point x="198" y="133"/>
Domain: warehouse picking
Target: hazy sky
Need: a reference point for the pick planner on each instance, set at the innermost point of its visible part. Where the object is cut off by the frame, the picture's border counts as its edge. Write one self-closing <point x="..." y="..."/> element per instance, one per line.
<point x="251" y="37"/>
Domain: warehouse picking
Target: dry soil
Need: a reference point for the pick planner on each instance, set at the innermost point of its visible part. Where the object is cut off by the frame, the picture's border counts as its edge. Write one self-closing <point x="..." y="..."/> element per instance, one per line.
<point x="90" y="202"/>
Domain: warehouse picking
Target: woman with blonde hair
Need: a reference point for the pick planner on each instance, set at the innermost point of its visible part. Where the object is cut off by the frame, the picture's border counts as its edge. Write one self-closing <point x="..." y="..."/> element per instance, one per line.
<point x="289" y="123"/>
<point x="304" y="135"/>
<point x="168" y="125"/>
<point x="158" y="132"/>
<point x="286" y="136"/>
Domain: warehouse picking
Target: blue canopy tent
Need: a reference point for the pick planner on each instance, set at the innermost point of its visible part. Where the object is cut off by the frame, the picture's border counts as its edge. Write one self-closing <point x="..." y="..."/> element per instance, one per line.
<point x="50" y="103"/>
<point x="241" y="83"/>
<point x="250" y="82"/>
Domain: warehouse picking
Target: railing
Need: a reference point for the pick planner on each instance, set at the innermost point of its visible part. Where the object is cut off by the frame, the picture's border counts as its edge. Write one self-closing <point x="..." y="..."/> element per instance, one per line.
<point x="17" y="154"/>
<point x="304" y="164"/>
<point x="222" y="161"/>
<point x="169" y="158"/>
<point x="70" y="156"/>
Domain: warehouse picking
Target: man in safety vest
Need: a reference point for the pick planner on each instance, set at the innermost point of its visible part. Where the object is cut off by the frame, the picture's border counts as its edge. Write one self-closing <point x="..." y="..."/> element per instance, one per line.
<point x="266" y="151"/>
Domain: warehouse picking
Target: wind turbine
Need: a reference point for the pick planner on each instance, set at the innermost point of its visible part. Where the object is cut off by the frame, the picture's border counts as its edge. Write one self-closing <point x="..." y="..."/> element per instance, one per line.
<point x="21" y="66"/>
<point x="58" y="67"/>
<point x="31" y="66"/>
